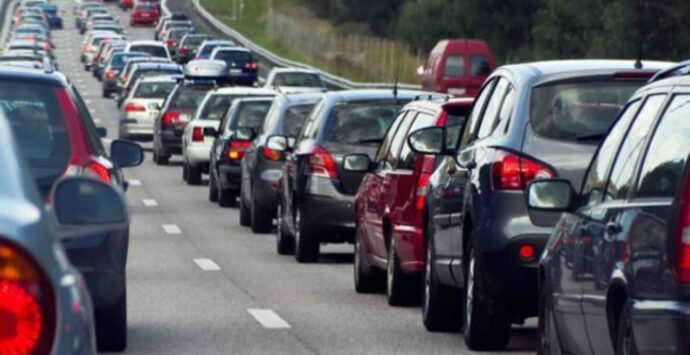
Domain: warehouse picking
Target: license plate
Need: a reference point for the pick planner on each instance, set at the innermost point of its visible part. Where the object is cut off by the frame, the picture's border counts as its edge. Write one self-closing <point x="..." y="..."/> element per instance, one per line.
<point x="145" y="15"/>
<point x="235" y="71"/>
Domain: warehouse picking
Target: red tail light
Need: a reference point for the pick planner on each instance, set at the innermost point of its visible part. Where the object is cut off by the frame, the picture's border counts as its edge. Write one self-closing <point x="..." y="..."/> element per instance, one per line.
<point x="170" y="117"/>
<point x="27" y="304"/>
<point x="251" y="66"/>
<point x="169" y="43"/>
<point x="512" y="172"/>
<point x="197" y="134"/>
<point x="97" y="170"/>
<point x="109" y="75"/>
<point x="271" y="154"/>
<point x="321" y="163"/>
<point x="526" y="252"/>
<point x="132" y="107"/>
<point x="427" y="163"/>
<point x="682" y="264"/>
<point x="136" y="13"/>
<point x="237" y="149"/>
<point x="184" y="49"/>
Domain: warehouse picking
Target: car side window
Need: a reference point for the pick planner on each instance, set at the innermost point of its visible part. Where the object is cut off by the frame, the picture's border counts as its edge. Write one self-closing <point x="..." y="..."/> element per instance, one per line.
<point x="383" y="148"/>
<point x="623" y="173"/>
<point x="595" y="180"/>
<point x="492" y="108"/>
<point x="455" y="66"/>
<point x="407" y="156"/>
<point x="506" y="110"/>
<point x="668" y="151"/>
<point x="398" y="140"/>
<point x="309" y="129"/>
<point x="477" y="109"/>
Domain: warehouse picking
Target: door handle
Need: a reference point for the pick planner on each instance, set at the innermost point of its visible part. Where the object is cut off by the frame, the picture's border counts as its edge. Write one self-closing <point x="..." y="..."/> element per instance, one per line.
<point x="613" y="228"/>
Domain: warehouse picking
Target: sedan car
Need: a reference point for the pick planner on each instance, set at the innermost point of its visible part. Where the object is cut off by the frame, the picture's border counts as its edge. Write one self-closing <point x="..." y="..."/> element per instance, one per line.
<point x="242" y="65"/>
<point x="112" y="68"/>
<point x="207" y="47"/>
<point x="144" y="14"/>
<point x="142" y="106"/>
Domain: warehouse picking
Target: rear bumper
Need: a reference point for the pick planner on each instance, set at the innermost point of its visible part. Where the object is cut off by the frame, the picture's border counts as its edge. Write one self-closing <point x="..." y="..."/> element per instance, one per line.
<point x="265" y="188"/>
<point x="144" y="20"/>
<point x="409" y="242"/>
<point x="196" y="154"/>
<point x="230" y="176"/>
<point x="661" y="327"/>
<point x="170" y="142"/>
<point x="331" y="219"/>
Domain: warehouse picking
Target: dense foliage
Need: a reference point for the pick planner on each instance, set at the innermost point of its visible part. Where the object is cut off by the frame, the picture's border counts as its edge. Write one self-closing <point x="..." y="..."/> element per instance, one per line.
<point x="529" y="29"/>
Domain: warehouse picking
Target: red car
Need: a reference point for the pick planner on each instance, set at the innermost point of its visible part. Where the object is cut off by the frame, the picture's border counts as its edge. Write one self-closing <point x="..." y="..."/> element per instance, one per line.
<point x="126" y="4"/>
<point x="457" y="67"/>
<point x="144" y="14"/>
<point x="390" y="203"/>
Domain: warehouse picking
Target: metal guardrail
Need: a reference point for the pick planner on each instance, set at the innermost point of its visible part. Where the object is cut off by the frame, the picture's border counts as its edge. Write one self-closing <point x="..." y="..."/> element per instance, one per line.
<point x="330" y="79"/>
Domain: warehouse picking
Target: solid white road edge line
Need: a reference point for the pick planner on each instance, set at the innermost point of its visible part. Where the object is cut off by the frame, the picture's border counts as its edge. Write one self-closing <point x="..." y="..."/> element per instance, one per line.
<point x="207" y="264"/>
<point x="268" y="318"/>
<point x="172" y="229"/>
<point x="149" y="202"/>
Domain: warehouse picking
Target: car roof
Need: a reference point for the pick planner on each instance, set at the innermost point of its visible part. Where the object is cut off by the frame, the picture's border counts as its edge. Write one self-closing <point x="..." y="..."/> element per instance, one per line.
<point x="372" y="94"/>
<point x="146" y="43"/>
<point x="146" y="65"/>
<point x="244" y="90"/>
<point x="439" y="104"/>
<point x="232" y="49"/>
<point x="39" y="75"/>
<point x="217" y="41"/>
<point x="160" y="78"/>
<point x="579" y="67"/>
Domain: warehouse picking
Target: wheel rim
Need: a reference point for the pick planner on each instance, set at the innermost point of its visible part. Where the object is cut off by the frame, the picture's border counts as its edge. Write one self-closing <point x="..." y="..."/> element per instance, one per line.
<point x="427" y="280"/>
<point x="390" y="268"/>
<point x="469" y="297"/>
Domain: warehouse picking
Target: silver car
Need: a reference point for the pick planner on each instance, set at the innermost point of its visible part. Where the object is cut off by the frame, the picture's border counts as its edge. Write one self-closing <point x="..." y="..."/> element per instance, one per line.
<point x="142" y="106"/>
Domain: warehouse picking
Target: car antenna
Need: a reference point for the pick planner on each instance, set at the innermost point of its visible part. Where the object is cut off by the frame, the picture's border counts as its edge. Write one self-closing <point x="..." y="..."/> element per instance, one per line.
<point x="640" y="12"/>
<point x="395" y="88"/>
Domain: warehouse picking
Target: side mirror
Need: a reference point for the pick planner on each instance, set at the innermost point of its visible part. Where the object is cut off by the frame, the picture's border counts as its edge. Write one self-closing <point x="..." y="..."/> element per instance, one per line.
<point x="278" y="143"/>
<point x="420" y="70"/>
<point x="84" y="206"/>
<point x="357" y="163"/>
<point x="210" y="132"/>
<point x="126" y="154"/>
<point x="553" y="195"/>
<point x="430" y="140"/>
<point x="102" y="132"/>
<point x="244" y="134"/>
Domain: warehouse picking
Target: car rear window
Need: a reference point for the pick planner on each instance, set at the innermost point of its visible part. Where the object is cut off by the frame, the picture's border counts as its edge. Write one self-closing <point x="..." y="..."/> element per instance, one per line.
<point x="578" y="111"/>
<point x="215" y="107"/>
<point x="361" y="122"/>
<point x="479" y="65"/>
<point x="297" y="80"/>
<point x="208" y="49"/>
<point x="146" y="7"/>
<point x="189" y="97"/>
<point x="251" y="114"/>
<point x="194" y="41"/>
<point x="177" y="34"/>
<point x="156" y="51"/>
<point x="143" y="73"/>
<point x="36" y="119"/>
<point x="455" y="66"/>
<point x="120" y="58"/>
<point x="295" y="116"/>
<point x="154" y="90"/>
<point x="237" y="57"/>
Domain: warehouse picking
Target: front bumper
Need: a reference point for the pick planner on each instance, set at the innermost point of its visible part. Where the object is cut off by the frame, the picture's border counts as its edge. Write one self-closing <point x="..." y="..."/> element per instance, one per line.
<point x="661" y="327"/>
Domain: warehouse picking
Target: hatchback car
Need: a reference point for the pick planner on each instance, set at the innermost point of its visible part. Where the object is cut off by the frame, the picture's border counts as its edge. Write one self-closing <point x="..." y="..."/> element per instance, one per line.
<point x="142" y="105"/>
<point x="173" y="38"/>
<point x="615" y="271"/>
<point x="58" y="138"/>
<point x="261" y="166"/>
<point x="390" y="229"/>
<point x="144" y="14"/>
<point x="530" y="121"/>
<point x="293" y="80"/>
<point x="242" y="66"/>
<point x="316" y="195"/>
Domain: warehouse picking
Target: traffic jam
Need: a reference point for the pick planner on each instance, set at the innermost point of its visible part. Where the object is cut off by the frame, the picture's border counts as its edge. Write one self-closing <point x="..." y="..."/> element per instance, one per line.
<point x="164" y="192"/>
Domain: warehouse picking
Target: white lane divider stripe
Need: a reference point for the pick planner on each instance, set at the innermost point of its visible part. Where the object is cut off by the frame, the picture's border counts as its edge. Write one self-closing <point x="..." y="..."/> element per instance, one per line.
<point x="134" y="182"/>
<point x="172" y="229"/>
<point x="269" y="319"/>
<point x="207" y="264"/>
<point x="148" y="202"/>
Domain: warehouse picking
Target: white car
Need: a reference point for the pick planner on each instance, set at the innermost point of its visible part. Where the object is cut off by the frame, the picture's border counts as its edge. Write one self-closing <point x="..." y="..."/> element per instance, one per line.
<point x="142" y="106"/>
<point x="295" y="80"/>
<point x="199" y="134"/>
<point x="155" y="49"/>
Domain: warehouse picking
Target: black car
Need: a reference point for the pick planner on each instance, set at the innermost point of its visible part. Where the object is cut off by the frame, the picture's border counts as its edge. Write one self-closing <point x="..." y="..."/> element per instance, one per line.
<point x="188" y="46"/>
<point x="242" y="65"/>
<point x="615" y="273"/>
<point x="529" y="121"/>
<point x="316" y="194"/>
<point x="261" y="165"/>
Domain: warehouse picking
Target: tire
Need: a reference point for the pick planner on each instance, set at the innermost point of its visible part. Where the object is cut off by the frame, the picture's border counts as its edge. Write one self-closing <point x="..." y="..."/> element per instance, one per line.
<point x="185" y="173"/>
<point x="285" y="244"/>
<point x="486" y="317"/>
<point x="245" y="214"/>
<point x="306" y="248"/>
<point x="159" y="158"/>
<point x="261" y="220"/>
<point x="111" y="326"/>
<point x="193" y="175"/>
<point x="105" y="94"/>
<point x="227" y="198"/>
<point x="212" y="188"/>
<point x="546" y="342"/>
<point x="367" y="278"/>
<point x="625" y="337"/>
<point x="402" y="289"/>
<point x="441" y="304"/>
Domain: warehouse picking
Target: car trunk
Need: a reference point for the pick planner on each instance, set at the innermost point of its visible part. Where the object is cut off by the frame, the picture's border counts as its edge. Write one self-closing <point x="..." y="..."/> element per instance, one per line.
<point x="349" y="181"/>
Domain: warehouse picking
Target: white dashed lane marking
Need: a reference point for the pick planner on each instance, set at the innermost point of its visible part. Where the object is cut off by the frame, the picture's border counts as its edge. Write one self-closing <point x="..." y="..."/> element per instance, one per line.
<point x="269" y="319"/>
<point x="172" y="229"/>
<point x="149" y="202"/>
<point x="134" y="182"/>
<point x="207" y="264"/>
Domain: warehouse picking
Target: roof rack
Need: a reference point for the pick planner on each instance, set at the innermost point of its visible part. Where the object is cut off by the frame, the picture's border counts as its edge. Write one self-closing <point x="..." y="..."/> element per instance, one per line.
<point x="47" y="66"/>
<point x="682" y="68"/>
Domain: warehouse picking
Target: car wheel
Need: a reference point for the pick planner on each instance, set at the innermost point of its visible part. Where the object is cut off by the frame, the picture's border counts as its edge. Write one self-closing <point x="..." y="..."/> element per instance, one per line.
<point x="402" y="289"/>
<point x="285" y="244"/>
<point x="441" y="310"/>
<point x="226" y="198"/>
<point x="306" y="248"/>
<point x="367" y="278"/>
<point x="262" y="220"/>
<point x="111" y="326"/>
<point x="193" y="175"/>
<point x="546" y="342"/>
<point x="159" y="158"/>
<point x="185" y="172"/>
<point x="487" y="324"/>
<point x="625" y="338"/>
<point x="245" y="214"/>
<point x="105" y="94"/>
<point x="212" y="188"/>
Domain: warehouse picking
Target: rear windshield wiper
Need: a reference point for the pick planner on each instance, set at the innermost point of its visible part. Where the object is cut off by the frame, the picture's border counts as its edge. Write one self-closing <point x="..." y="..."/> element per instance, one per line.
<point x="591" y="137"/>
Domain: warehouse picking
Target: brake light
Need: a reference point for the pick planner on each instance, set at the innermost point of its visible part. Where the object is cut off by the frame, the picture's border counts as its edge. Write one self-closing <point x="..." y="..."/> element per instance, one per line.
<point x="427" y="163"/>
<point x="682" y="264"/>
<point x="321" y="163"/>
<point x="109" y="75"/>
<point x="184" y="49"/>
<point x="270" y="154"/>
<point x="197" y="134"/>
<point x="46" y="46"/>
<point x="132" y="107"/>
<point x="170" y="117"/>
<point x="512" y="172"/>
<point x="169" y="43"/>
<point x="526" y="252"/>
<point x="237" y="149"/>
<point x="252" y="66"/>
<point x="97" y="170"/>
<point x="27" y="304"/>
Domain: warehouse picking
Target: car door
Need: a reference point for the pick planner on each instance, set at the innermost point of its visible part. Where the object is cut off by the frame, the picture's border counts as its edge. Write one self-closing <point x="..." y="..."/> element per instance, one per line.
<point x="601" y="226"/>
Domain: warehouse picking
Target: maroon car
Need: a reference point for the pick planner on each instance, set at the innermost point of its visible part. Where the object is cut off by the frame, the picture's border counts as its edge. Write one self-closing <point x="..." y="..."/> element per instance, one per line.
<point x="144" y="14"/>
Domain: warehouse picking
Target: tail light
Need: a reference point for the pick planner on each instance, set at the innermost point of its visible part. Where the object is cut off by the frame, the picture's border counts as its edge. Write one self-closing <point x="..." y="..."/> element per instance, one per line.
<point x="132" y="107"/>
<point x="109" y="75"/>
<point x="682" y="264"/>
<point x="98" y="171"/>
<point x="184" y="49"/>
<point x="169" y="43"/>
<point x="512" y="172"/>
<point x="271" y="154"/>
<point x="27" y="304"/>
<point x="526" y="252"/>
<point x="427" y="163"/>
<point x="321" y="163"/>
<point x="252" y="66"/>
<point x="46" y="46"/>
<point x="197" y="134"/>
<point x="170" y="117"/>
<point x="237" y="149"/>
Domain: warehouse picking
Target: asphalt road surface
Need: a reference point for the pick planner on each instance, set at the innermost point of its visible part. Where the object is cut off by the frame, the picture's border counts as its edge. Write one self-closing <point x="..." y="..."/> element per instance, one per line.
<point x="198" y="283"/>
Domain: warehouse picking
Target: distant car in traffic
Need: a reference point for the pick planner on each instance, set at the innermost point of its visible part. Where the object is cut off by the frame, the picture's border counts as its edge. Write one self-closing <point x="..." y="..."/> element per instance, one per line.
<point x="142" y="106"/>
<point x="155" y="49"/>
<point x="188" y="46"/>
<point x="294" y="80"/>
<point x="144" y="14"/>
<point x="241" y="64"/>
<point x="207" y="47"/>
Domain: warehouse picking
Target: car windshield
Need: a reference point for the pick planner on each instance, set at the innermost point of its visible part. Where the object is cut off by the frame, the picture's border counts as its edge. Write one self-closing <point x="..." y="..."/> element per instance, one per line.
<point x="234" y="57"/>
<point x="297" y="80"/>
<point x="573" y="111"/>
<point x="251" y="114"/>
<point x="153" y="50"/>
<point x="361" y="122"/>
<point x="294" y="119"/>
<point x="154" y="90"/>
<point x="189" y="97"/>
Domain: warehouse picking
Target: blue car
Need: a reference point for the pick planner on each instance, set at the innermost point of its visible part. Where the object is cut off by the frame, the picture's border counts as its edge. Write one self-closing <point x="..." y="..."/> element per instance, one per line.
<point x="52" y="13"/>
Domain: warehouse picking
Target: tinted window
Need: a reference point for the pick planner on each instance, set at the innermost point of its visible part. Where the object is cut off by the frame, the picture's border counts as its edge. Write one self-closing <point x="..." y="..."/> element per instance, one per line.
<point x="208" y="49"/>
<point x="251" y="114"/>
<point x="477" y="108"/>
<point x="361" y="122"/>
<point x="310" y="128"/>
<point x="215" y="107"/>
<point x="236" y="57"/>
<point x="407" y="156"/>
<point x="189" y="97"/>
<point x="155" y="51"/>
<point x="455" y="119"/>
<point x="297" y="80"/>
<point x="294" y="119"/>
<point x="489" y="121"/>
<point x="479" y="66"/>
<point x="576" y="110"/>
<point x="143" y="73"/>
<point x="154" y="90"/>
<point x="455" y="66"/>
<point x="383" y="148"/>
<point x="194" y="41"/>
<point x="668" y="151"/>
<point x="622" y="175"/>
<point x="596" y="178"/>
